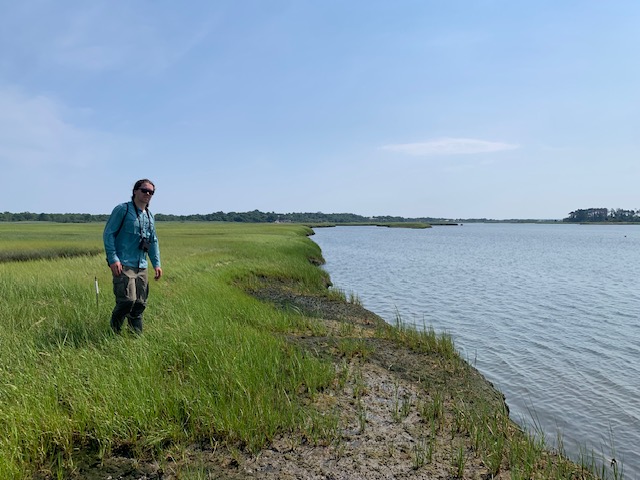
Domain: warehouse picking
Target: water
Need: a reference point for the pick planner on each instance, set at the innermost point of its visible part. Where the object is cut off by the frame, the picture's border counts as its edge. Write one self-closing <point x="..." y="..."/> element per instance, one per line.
<point x="548" y="313"/>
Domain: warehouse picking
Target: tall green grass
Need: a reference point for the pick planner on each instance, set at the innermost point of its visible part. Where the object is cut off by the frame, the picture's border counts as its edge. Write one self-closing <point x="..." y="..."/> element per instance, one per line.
<point x="29" y="241"/>
<point x="211" y="364"/>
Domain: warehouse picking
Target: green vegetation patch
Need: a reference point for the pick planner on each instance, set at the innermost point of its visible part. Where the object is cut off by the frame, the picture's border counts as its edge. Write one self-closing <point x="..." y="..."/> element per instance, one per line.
<point x="406" y="225"/>
<point x="212" y="365"/>
<point x="33" y="241"/>
<point x="417" y="225"/>
<point x="225" y="370"/>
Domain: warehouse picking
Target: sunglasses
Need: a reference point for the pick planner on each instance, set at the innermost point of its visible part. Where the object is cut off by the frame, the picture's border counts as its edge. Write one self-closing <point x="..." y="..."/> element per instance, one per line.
<point x="147" y="191"/>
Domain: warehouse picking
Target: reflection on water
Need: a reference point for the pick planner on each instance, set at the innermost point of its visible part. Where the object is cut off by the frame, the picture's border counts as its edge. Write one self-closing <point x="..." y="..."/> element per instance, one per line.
<point x="548" y="313"/>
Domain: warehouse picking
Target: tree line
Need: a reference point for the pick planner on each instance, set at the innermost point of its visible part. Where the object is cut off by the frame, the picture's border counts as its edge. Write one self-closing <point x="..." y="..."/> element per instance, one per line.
<point x="616" y="215"/>
<point x="52" y="217"/>
<point x="254" y="216"/>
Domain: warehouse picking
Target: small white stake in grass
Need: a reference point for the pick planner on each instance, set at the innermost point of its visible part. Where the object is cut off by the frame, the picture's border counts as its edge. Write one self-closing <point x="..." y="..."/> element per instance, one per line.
<point x="97" y="291"/>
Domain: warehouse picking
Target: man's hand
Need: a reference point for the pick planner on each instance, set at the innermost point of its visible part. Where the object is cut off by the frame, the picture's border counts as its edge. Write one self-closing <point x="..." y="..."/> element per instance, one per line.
<point x="158" y="273"/>
<point x="116" y="269"/>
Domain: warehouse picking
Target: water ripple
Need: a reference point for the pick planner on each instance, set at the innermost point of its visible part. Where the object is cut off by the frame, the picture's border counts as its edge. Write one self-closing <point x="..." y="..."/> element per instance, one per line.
<point x="548" y="313"/>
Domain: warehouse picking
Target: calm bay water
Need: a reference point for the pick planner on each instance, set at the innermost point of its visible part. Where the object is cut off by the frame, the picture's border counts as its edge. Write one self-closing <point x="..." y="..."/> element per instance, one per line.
<point x="548" y="313"/>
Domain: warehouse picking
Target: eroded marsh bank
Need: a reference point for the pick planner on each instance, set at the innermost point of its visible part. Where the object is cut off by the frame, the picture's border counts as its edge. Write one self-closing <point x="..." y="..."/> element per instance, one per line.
<point x="249" y="368"/>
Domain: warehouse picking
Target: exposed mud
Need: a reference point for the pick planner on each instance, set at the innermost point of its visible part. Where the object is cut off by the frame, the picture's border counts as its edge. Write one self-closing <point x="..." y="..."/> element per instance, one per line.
<point x="377" y="421"/>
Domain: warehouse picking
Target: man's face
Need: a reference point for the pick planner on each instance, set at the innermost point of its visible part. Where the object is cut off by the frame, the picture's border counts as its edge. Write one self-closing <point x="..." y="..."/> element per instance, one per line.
<point x="144" y="193"/>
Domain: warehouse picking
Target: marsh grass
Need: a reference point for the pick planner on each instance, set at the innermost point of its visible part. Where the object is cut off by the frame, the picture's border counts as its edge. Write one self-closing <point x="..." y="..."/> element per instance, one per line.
<point x="210" y="364"/>
<point x="31" y="241"/>
<point x="423" y="451"/>
<point x="213" y="365"/>
<point x="424" y="339"/>
<point x="354" y="347"/>
<point x="340" y="295"/>
<point x="418" y="225"/>
<point x="479" y="425"/>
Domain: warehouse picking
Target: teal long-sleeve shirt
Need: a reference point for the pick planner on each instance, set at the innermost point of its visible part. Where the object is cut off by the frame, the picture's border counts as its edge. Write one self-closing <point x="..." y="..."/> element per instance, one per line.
<point x="124" y="246"/>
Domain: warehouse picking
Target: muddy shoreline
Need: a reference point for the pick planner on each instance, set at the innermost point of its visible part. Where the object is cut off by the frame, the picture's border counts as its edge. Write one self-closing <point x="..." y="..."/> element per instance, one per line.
<point x="379" y="413"/>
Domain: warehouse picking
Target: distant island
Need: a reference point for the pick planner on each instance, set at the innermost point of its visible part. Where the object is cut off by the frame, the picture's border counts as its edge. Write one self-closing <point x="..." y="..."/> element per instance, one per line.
<point x="603" y="215"/>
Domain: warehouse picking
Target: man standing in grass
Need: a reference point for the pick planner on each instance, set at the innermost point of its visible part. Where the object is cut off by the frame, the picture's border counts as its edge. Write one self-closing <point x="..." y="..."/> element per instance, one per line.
<point x="129" y="236"/>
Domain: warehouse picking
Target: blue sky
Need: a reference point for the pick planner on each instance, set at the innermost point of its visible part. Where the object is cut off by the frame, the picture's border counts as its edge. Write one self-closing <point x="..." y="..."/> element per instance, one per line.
<point x="454" y="109"/>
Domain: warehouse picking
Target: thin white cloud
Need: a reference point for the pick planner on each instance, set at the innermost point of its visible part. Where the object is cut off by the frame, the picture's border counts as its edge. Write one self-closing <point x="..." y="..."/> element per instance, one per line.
<point x="100" y="36"/>
<point x="450" y="146"/>
<point x="37" y="131"/>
